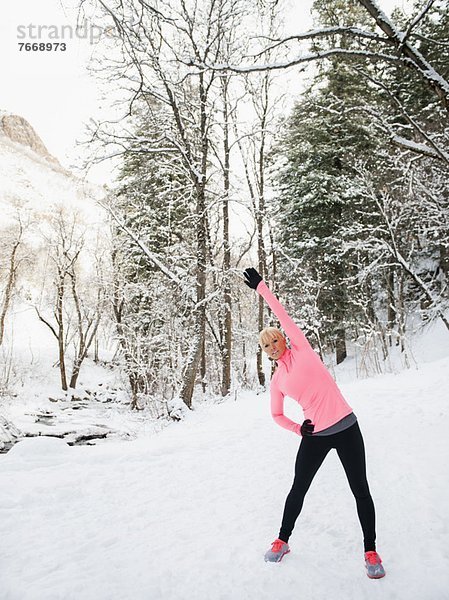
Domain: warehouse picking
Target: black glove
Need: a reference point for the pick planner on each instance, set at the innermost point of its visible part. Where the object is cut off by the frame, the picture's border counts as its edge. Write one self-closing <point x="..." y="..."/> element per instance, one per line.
<point x="307" y="427"/>
<point x="252" y="278"/>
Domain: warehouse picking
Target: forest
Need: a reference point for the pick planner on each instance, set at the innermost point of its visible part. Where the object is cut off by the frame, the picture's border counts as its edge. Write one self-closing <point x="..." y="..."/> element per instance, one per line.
<point x="337" y="195"/>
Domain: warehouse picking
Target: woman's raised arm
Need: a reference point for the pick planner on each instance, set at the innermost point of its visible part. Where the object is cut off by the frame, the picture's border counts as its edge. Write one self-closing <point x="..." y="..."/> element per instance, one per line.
<point x="255" y="281"/>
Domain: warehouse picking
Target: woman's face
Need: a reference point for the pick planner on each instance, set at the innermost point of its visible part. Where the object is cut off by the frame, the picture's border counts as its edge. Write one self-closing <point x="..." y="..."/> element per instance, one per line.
<point x="275" y="346"/>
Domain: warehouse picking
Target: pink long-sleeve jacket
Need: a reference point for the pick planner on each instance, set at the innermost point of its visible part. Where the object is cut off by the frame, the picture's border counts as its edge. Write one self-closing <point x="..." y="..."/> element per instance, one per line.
<point x="301" y="375"/>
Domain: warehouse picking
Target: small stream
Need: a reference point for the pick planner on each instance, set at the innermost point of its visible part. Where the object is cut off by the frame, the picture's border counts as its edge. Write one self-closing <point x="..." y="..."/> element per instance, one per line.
<point x="73" y="436"/>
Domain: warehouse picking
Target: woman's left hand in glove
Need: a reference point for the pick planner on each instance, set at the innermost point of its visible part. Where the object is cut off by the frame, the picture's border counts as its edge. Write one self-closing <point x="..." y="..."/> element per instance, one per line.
<point x="252" y="278"/>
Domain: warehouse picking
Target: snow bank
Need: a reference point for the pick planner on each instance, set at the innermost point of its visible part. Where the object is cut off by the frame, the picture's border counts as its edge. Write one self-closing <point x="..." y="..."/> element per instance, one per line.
<point x="39" y="449"/>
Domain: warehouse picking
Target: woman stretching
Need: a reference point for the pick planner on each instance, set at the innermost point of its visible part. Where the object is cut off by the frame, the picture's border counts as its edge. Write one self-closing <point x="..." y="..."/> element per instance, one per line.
<point x="329" y="423"/>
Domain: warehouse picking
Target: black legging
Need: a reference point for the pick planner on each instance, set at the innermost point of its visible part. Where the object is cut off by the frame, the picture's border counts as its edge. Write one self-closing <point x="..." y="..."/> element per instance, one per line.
<point x="351" y="451"/>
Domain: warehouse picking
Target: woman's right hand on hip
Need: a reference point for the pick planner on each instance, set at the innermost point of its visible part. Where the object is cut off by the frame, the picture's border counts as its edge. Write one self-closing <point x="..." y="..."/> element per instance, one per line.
<point x="307" y="428"/>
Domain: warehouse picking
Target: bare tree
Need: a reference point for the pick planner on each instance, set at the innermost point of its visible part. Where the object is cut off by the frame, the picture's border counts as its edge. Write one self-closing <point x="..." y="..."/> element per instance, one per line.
<point x="75" y="317"/>
<point x="14" y="239"/>
<point x="153" y="45"/>
<point x="254" y="147"/>
<point x="394" y="47"/>
<point x="88" y="317"/>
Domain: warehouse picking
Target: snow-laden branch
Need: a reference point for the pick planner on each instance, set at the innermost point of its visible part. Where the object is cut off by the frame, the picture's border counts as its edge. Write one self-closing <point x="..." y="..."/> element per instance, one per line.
<point x="324" y="32"/>
<point x="419" y="17"/>
<point x="434" y="151"/>
<point x="160" y="265"/>
<point x="150" y="255"/>
<point x="305" y="58"/>
<point x="418" y="280"/>
<point x="425" y="38"/>
<point x="434" y="79"/>
<point x="418" y="148"/>
<point x="393" y="249"/>
<point x="405" y="53"/>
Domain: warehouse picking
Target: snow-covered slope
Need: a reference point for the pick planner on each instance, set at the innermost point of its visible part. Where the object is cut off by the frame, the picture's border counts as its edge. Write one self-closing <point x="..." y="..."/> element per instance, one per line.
<point x="36" y="182"/>
<point x="17" y="129"/>
<point x="42" y="208"/>
<point x="190" y="512"/>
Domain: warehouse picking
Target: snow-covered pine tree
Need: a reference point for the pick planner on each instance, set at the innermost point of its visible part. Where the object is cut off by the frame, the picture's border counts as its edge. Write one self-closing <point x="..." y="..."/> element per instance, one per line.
<point x="409" y="190"/>
<point x="317" y="184"/>
<point x="154" y="200"/>
<point x="425" y="155"/>
<point x="362" y="211"/>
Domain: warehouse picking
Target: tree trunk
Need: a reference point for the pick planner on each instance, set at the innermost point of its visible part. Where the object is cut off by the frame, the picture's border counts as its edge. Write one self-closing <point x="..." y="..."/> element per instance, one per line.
<point x="444" y="259"/>
<point x="9" y="289"/>
<point x="83" y="350"/>
<point x="227" y="333"/>
<point x="75" y="373"/>
<point x="200" y="309"/>
<point x="401" y="312"/>
<point x="261" y="215"/>
<point x="96" y="351"/>
<point x="191" y="368"/>
<point x="391" y="308"/>
<point x="260" y="373"/>
<point x="86" y="335"/>
<point x="340" y="346"/>
<point x="59" y="318"/>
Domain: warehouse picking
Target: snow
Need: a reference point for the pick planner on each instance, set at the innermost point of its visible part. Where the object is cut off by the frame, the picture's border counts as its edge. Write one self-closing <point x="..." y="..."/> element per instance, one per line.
<point x="33" y="183"/>
<point x="420" y="148"/>
<point x="189" y="513"/>
<point x="40" y="450"/>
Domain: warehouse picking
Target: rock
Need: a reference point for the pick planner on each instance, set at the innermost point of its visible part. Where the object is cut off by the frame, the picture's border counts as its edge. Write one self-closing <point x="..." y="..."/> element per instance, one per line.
<point x="9" y="433"/>
<point x="17" y="129"/>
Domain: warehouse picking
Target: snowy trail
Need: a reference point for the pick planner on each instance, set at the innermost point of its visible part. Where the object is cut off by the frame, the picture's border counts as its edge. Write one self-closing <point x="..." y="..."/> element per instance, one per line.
<point x="190" y="512"/>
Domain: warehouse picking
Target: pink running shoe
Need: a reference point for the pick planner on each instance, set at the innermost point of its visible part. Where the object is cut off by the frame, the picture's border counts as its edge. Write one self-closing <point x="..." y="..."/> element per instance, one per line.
<point x="277" y="551"/>
<point x="373" y="563"/>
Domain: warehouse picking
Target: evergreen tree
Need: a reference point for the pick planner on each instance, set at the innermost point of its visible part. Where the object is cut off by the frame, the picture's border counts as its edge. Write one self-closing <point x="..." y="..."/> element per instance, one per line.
<point x="154" y="201"/>
<point x="318" y="187"/>
<point x="363" y="240"/>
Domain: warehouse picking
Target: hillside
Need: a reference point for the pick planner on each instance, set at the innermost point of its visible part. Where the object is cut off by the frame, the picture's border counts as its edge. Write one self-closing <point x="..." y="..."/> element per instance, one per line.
<point x="49" y="217"/>
<point x="32" y="178"/>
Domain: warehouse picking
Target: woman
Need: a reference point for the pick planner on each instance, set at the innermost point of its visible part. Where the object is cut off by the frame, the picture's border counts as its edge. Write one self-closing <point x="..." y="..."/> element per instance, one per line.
<point x="329" y="423"/>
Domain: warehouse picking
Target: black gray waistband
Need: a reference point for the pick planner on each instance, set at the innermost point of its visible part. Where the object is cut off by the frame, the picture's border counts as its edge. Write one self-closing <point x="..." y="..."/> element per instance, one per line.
<point x="341" y="425"/>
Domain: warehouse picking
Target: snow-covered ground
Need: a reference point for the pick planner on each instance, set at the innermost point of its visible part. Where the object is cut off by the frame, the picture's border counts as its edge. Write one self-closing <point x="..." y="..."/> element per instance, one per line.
<point x="189" y="512"/>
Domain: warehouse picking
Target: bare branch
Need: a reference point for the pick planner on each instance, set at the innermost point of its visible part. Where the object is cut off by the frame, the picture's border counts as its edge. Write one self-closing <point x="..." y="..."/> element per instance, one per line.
<point x="417" y="19"/>
<point x="434" y="79"/>
<point x="425" y="38"/>
<point x="435" y="151"/>
<point x="324" y="32"/>
<point x="303" y="59"/>
<point x="49" y="325"/>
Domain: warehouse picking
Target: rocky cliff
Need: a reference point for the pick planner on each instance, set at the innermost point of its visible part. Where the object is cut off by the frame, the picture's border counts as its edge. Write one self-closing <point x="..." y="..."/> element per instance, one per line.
<point x="17" y="129"/>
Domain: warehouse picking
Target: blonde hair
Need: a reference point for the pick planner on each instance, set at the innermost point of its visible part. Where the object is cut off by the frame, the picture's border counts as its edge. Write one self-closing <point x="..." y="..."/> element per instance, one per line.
<point x="269" y="333"/>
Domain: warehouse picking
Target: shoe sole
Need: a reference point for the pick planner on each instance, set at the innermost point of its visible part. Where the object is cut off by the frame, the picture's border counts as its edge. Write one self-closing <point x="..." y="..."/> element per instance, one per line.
<point x="277" y="561"/>
<point x="283" y="556"/>
<point x="376" y="576"/>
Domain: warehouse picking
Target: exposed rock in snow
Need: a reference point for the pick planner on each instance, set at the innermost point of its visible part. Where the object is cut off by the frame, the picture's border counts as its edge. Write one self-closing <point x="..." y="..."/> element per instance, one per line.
<point x="9" y="433"/>
<point x="17" y="129"/>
